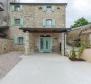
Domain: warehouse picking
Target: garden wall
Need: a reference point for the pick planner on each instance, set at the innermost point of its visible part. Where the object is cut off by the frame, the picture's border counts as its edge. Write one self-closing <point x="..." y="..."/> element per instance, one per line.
<point x="86" y="55"/>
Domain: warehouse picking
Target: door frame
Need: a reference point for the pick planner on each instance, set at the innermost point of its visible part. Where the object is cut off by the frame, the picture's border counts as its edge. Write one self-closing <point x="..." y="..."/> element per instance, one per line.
<point x="50" y="44"/>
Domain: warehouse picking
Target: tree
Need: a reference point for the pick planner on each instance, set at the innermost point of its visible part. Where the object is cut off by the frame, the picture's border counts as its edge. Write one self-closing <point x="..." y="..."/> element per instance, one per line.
<point x="80" y="22"/>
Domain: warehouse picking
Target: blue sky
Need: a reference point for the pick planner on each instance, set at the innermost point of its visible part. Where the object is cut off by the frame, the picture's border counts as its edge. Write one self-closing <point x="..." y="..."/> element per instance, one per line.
<point x="75" y="9"/>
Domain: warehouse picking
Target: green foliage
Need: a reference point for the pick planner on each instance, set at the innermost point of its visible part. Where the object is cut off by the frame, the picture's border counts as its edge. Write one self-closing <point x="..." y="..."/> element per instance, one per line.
<point x="72" y="54"/>
<point x="81" y="49"/>
<point x="80" y="22"/>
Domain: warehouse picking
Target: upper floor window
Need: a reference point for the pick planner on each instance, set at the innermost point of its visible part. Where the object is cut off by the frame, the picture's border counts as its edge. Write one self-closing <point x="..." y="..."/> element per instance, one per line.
<point x="17" y="22"/>
<point x="48" y="8"/>
<point x="17" y="7"/>
<point x="49" y="23"/>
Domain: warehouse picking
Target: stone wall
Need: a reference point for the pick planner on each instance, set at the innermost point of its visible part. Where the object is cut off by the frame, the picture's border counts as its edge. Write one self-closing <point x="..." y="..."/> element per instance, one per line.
<point x="86" y="55"/>
<point x="55" y="42"/>
<point x="33" y="17"/>
<point x="5" y="45"/>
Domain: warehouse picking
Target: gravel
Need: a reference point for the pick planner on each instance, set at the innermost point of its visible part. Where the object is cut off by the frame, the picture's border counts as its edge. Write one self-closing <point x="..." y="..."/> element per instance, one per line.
<point x="8" y="61"/>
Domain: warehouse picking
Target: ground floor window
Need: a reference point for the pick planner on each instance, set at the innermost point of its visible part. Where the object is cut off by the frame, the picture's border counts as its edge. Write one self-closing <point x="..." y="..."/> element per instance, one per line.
<point x="20" y="40"/>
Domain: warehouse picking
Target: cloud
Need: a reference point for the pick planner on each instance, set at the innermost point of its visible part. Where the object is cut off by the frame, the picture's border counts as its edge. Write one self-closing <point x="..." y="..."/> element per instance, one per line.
<point x="75" y="8"/>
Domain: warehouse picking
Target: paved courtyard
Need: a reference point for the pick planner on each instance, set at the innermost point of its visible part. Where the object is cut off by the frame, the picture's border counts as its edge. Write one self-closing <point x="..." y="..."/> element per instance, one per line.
<point x="8" y="61"/>
<point x="48" y="69"/>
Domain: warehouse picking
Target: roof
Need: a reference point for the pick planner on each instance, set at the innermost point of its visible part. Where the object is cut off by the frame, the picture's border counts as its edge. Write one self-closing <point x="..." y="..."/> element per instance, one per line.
<point x="82" y="27"/>
<point x="40" y="3"/>
<point x="45" y="30"/>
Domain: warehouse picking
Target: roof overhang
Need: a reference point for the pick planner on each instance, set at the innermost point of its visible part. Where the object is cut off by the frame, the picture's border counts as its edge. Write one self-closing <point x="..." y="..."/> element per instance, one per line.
<point x="39" y="3"/>
<point x="4" y="27"/>
<point x="46" y="30"/>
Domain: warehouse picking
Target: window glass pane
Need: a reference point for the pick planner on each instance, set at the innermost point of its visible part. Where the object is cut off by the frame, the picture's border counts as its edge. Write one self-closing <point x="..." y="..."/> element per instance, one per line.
<point x="20" y="40"/>
<point x="41" y="43"/>
<point x="49" y="22"/>
<point x="17" y="22"/>
<point x="49" y="7"/>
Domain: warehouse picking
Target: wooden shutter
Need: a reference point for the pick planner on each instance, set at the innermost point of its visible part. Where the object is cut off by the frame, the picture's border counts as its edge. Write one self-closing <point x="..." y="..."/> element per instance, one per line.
<point x="44" y="22"/>
<point x="21" y="7"/>
<point x="12" y="7"/>
<point x="44" y="8"/>
<point x="53" y="22"/>
<point x="21" y="22"/>
<point x="15" y="40"/>
<point x="12" y="22"/>
<point x="53" y="8"/>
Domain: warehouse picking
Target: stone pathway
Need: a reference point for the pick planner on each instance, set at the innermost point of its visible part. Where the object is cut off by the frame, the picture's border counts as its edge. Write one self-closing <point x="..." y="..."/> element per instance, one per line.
<point x="49" y="69"/>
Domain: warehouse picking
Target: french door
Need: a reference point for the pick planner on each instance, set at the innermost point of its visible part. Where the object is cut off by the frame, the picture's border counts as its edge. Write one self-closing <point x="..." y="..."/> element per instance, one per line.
<point x="45" y="44"/>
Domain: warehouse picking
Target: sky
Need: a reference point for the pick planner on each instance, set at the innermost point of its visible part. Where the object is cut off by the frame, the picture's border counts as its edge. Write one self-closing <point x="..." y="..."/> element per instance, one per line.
<point x="75" y="9"/>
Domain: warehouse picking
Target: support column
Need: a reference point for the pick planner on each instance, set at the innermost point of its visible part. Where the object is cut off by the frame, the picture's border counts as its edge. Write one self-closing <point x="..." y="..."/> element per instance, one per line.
<point x="27" y="43"/>
<point x="63" y="43"/>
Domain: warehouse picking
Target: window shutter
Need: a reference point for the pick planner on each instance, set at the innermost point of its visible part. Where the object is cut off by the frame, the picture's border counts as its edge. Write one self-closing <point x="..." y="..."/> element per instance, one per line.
<point x="53" y="23"/>
<point x="23" y="40"/>
<point x="53" y="8"/>
<point x="21" y="22"/>
<point x="21" y="7"/>
<point x="44" y="23"/>
<point x="15" y="40"/>
<point x="12" y="22"/>
<point x="44" y="8"/>
<point x="11" y="7"/>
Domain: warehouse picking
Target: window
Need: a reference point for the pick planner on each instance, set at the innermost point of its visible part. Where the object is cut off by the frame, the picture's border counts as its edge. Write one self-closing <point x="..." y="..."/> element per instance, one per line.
<point x="17" y="22"/>
<point x="48" y="8"/>
<point x="20" y="40"/>
<point x="49" y="22"/>
<point x="17" y="7"/>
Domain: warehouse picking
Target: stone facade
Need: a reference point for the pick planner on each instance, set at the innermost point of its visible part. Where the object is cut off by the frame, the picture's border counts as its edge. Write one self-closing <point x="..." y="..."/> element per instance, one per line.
<point x="32" y="16"/>
<point x="6" y="45"/>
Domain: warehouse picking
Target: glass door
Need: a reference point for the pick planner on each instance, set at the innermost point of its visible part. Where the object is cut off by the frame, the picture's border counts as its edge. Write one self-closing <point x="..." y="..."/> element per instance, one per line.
<point x="45" y="44"/>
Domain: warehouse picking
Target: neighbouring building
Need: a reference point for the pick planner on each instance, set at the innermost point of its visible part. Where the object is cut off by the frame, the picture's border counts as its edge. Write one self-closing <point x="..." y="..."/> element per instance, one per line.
<point x="38" y="27"/>
<point x="82" y="33"/>
<point x="5" y="42"/>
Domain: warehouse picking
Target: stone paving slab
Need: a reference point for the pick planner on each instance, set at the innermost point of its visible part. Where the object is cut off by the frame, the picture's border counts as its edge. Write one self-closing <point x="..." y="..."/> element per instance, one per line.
<point x="8" y="61"/>
<point x="48" y="69"/>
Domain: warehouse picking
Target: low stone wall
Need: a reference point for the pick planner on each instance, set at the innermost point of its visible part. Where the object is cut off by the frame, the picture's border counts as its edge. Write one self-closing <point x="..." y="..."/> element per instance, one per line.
<point x="86" y="55"/>
<point x="19" y="48"/>
<point x="6" y="45"/>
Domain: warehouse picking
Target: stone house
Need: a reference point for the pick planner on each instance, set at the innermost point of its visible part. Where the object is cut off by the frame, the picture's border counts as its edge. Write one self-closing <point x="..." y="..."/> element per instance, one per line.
<point x="38" y="27"/>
